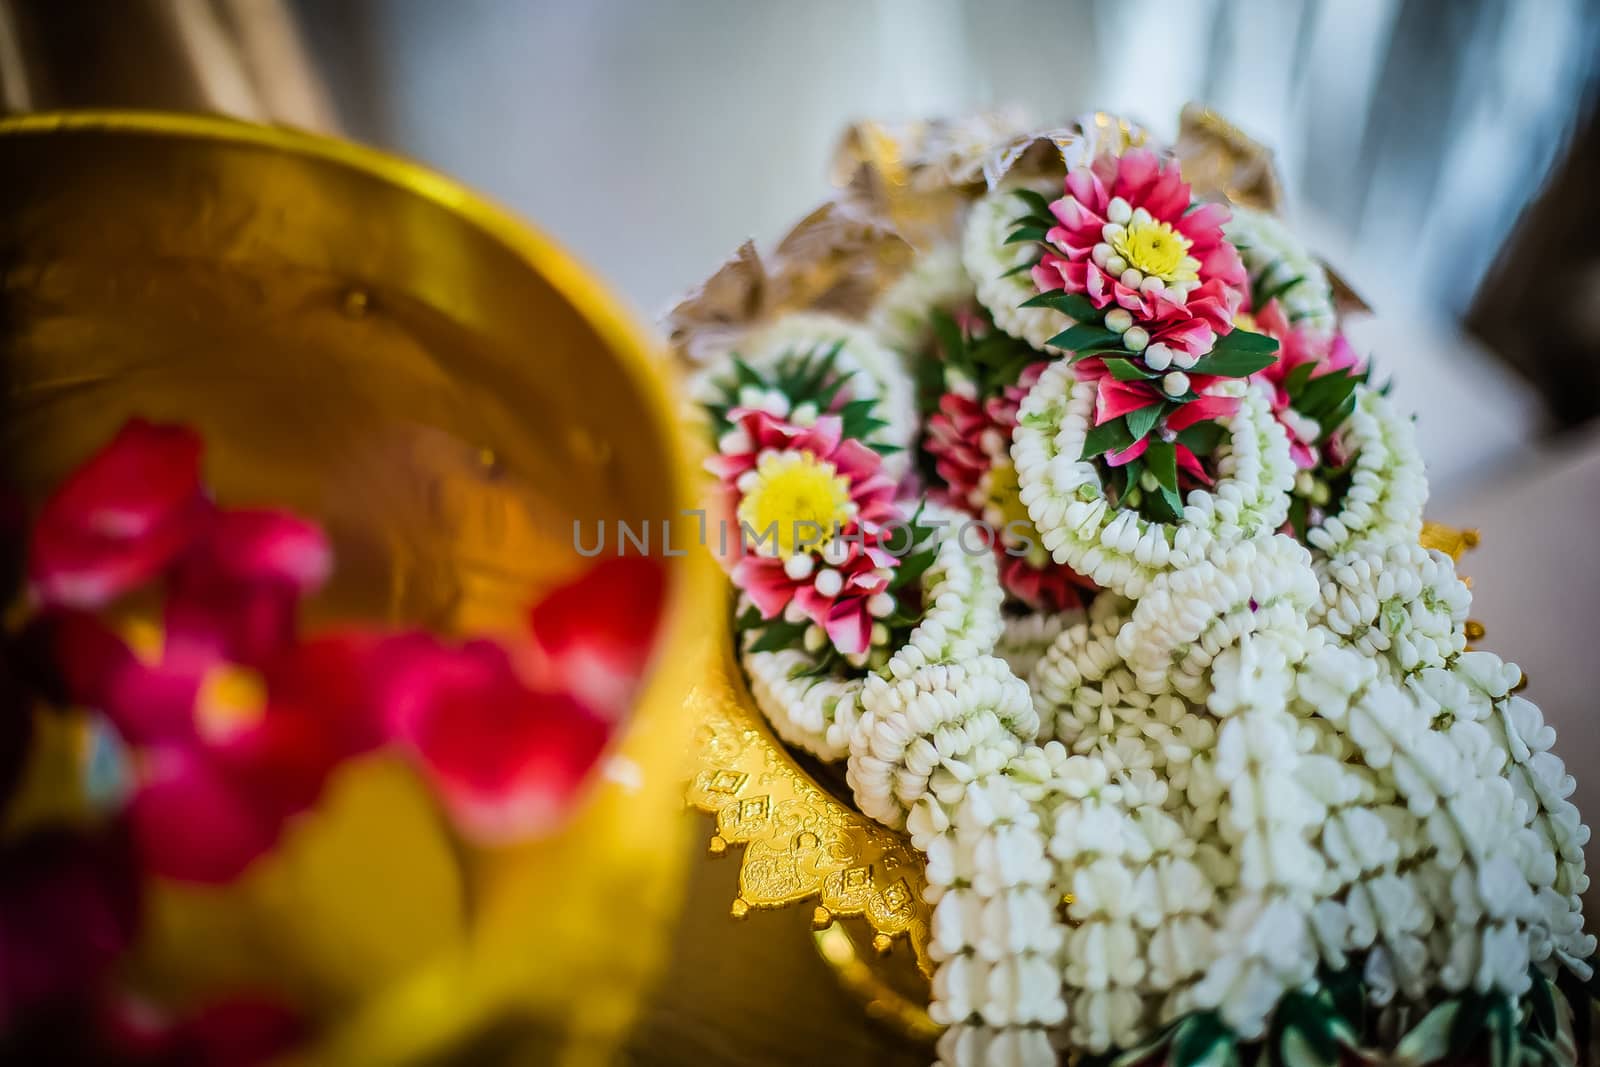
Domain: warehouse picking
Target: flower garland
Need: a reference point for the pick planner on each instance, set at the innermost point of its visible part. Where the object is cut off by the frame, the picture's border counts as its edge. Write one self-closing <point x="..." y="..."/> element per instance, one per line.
<point x="999" y="268"/>
<point x="1117" y="547"/>
<point x="1388" y="483"/>
<point x="1281" y="268"/>
<point x="1240" y="783"/>
<point x="903" y="317"/>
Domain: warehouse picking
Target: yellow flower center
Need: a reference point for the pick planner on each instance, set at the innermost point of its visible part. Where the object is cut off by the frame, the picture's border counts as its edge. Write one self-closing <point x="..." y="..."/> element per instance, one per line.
<point x="796" y="498"/>
<point x="1003" y="506"/>
<point x="1155" y="250"/>
<point x="1003" y="495"/>
<point x="1245" y="321"/>
<point x="231" y="699"/>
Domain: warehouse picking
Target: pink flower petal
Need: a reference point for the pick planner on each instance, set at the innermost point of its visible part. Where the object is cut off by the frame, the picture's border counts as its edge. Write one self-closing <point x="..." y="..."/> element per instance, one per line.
<point x="190" y="823"/>
<point x="599" y="630"/>
<point x="1114" y="399"/>
<point x="120" y="518"/>
<point x="1205" y="409"/>
<point x="508" y="761"/>
<point x="849" y="627"/>
<point x="1190" y="463"/>
<point x="1129" y="454"/>
<point x="146" y="703"/>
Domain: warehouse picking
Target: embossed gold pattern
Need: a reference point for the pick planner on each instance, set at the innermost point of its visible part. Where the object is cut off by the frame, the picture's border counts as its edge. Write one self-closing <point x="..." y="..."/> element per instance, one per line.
<point x="800" y="842"/>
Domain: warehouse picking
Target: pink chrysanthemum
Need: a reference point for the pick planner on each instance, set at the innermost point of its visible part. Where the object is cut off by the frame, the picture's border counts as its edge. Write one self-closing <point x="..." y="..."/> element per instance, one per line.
<point x="1127" y="239"/>
<point x="803" y="483"/>
<point x="1328" y="353"/>
<point x="836" y="593"/>
<point x="970" y="442"/>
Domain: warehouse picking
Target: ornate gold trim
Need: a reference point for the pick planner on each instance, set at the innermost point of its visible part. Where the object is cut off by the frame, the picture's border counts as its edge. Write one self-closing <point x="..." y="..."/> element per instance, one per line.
<point x="800" y="842"/>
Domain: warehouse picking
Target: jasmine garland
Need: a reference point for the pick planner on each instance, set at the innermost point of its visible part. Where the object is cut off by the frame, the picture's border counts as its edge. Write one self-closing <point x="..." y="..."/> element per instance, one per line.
<point x="1195" y="747"/>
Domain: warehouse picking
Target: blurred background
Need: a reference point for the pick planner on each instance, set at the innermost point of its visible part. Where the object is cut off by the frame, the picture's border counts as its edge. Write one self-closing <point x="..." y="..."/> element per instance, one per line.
<point x="1442" y="154"/>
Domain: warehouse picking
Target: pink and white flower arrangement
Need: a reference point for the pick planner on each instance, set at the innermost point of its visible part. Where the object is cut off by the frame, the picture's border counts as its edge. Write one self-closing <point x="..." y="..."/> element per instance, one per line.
<point x="1245" y="795"/>
<point x="1131" y="238"/>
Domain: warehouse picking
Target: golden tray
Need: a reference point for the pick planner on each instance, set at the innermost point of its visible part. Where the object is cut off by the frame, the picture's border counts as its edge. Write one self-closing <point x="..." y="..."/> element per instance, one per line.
<point x="447" y="392"/>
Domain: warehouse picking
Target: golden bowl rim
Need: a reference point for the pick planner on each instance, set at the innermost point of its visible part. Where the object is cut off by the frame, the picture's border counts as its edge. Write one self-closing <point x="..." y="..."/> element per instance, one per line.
<point x="642" y="356"/>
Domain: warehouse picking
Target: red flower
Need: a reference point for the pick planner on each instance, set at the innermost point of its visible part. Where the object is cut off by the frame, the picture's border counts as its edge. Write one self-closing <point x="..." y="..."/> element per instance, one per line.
<point x="970" y="443"/>
<point x="597" y="632"/>
<point x="1297" y="346"/>
<point x="1127" y="238"/>
<point x="121" y="518"/>
<point x="1046" y="586"/>
<point x="230" y="738"/>
<point x="506" y="754"/>
<point x="509" y="732"/>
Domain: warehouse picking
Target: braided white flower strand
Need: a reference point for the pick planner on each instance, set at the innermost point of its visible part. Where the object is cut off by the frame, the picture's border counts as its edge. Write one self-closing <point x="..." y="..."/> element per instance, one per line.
<point x="935" y="282"/>
<point x="1188" y="616"/>
<point x="1403" y="606"/>
<point x="1388" y="484"/>
<point x="992" y="264"/>
<point x="1026" y="638"/>
<point x="1115" y="547"/>
<point x="1276" y="259"/>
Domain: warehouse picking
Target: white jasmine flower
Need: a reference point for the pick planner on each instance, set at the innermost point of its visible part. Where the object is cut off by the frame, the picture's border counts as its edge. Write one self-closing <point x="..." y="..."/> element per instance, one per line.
<point x="991" y="263"/>
<point x="1388" y="484"/>
<point x="1274" y="258"/>
<point x="935" y="281"/>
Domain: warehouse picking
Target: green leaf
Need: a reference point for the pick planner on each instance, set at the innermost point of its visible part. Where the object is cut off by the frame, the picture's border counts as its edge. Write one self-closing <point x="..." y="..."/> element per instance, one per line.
<point x="778" y="636"/>
<point x="1500" y="1023"/>
<point x="1021" y="268"/>
<point x="1075" y="305"/>
<point x="1267" y="295"/>
<point x="1238" y="358"/>
<point x="1161" y="459"/>
<point x="1082" y="336"/>
<point x="1246" y="341"/>
<point x="1125" y="370"/>
<point x="1035" y="201"/>
<point x="1026" y="235"/>
<point x="746" y="374"/>
<point x="1323" y="394"/>
<point x="1335" y="419"/>
<point x="1203" y="1041"/>
<point x="1296" y="379"/>
<point x="1164" y="506"/>
<point x="1542" y="1004"/>
<point x="1141" y="422"/>
<point x="1202" y="438"/>
<point x="1110" y="436"/>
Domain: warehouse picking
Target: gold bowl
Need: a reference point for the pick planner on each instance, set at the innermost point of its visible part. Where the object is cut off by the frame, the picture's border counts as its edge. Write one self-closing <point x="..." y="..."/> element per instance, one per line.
<point x="448" y="393"/>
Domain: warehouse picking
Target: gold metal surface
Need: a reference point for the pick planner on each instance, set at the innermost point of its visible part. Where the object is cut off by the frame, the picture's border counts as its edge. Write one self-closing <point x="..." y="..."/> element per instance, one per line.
<point x="447" y="392"/>
<point x="1218" y="157"/>
<point x="893" y="1000"/>
<point x="1449" y="540"/>
<point x="800" y="841"/>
